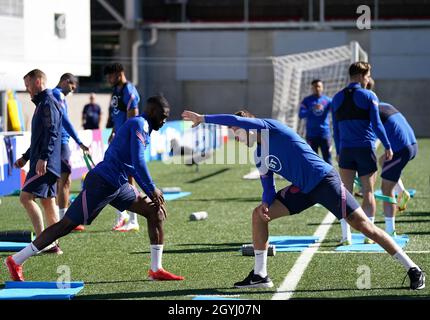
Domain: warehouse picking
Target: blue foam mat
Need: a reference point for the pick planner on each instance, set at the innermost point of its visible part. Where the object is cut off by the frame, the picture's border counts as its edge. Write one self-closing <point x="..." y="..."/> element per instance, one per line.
<point x="176" y="195"/>
<point x="29" y="290"/>
<point x="411" y="192"/>
<point x="213" y="298"/>
<point x="358" y="245"/>
<point x="292" y="243"/>
<point x="12" y="246"/>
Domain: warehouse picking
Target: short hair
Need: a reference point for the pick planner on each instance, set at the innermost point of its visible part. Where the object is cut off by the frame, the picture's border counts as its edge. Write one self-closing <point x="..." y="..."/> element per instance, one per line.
<point x="370" y="84"/>
<point x="244" y="113"/>
<point x="113" y="68"/>
<point x="159" y="101"/>
<point x="69" y="77"/>
<point x="359" y="67"/>
<point x="36" y="74"/>
<point x="316" y="81"/>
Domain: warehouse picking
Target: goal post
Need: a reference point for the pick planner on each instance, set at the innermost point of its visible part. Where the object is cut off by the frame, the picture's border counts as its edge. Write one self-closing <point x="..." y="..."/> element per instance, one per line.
<point x="293" y="74"/>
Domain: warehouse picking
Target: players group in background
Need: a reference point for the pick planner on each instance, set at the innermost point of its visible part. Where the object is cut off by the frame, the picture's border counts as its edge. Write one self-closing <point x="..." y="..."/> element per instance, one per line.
<point x="358" y="119"/>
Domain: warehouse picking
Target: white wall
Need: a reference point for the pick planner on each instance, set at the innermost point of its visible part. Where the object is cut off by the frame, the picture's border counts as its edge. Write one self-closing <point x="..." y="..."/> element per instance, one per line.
<point x="30" y="42"/>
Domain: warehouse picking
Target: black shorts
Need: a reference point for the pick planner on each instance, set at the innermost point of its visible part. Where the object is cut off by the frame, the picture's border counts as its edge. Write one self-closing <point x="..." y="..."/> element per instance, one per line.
<point x="96" y="194"/>
<point x="362" y="160"/>
<point x="41" y="186"/>
<point x="66" y="166"/>
<point x="330" y="193"/>
<point x="392" y="170"/>
<point x="323" y="143"/>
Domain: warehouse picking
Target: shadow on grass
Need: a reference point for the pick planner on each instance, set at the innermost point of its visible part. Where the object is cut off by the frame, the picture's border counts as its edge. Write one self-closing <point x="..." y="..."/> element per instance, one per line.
<point x="417" y="214"/>
<point x="201" y="250"/>
<point x="170" y="293"/>
<point x="206" y="248"/>
<point x="210" y="244"/>
<point x="418" y="232"/>
<point x="116" y="281"/>
<point x="209" y="175"/>
<point x="401" y="221"/>
<point x="235" y="199"/>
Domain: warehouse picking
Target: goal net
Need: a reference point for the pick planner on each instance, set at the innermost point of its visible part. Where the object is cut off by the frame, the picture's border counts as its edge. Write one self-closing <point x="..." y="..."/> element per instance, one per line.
<point x="294" y="73"/>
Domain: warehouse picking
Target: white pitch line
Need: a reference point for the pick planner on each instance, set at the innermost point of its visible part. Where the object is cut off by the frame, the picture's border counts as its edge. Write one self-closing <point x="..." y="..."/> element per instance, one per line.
<point x="286" y="290"/>
<point x="384" y="252"/>
<point x="215" y="295"/>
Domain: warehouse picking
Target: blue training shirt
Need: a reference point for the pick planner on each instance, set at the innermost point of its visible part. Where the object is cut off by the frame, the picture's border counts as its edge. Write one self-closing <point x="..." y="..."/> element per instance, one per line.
<point x="123" y="100"/>
<point x="355" y="125"/>
<point x="399" y="132"/>
<point x="125" y="155"/>
<point x="67" y="129"/>
<point x="45" y="133"/>
<point x="316" y="111"/>
<point x="281" y="151"/>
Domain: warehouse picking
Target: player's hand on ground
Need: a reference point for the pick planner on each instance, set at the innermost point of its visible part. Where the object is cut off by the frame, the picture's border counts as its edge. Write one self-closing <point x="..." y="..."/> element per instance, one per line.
<point x="388" y="154"/>
<point x="20" y="163"/>
<point x="84" y="148"/>
<point x="263" y="211"/>
<point x="41" y="167"/>
<point x="193" y="116"/>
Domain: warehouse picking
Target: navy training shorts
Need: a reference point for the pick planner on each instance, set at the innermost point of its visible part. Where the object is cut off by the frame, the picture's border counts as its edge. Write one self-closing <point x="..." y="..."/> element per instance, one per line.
<point x="330" y="193"/>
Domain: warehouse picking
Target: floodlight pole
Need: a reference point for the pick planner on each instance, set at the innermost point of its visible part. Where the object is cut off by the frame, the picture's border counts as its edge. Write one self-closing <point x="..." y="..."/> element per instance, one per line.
<point x="322" y="13"/>
<point x="311" y="10"/>
<point x="245" y="10"/>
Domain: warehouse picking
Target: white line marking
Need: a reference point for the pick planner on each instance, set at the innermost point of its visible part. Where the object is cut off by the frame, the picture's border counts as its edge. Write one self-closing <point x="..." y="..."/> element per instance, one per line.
<point x="384" y="252"/>
<point x="286" y="290"/>
<point x="214" y="295"/>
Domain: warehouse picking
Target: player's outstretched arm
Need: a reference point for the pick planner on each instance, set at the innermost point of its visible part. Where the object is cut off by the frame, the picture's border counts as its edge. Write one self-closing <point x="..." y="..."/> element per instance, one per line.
<point x="194" y="117"/>
<point x="224" y="119"/>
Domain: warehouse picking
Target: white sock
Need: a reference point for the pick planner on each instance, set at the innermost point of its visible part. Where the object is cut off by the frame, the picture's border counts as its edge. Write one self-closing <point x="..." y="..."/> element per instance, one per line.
<point x="133" y="218"/>
<point x="346" y="230"/>
<point x="390" y="225"/>
<point x="406" y="262"/>
<point x="156" y="255"/>
<point x="62" y="212"/>
<point x="25" y="253"/>
<point x="372" y="219"/>
<point x="399" y="187"/>
<point x="260" y="264"/>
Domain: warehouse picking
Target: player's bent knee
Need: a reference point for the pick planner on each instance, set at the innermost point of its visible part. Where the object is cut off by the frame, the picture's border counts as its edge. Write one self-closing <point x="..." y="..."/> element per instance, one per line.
<point x="25" y="197"/>
<point x="256" y="217"/>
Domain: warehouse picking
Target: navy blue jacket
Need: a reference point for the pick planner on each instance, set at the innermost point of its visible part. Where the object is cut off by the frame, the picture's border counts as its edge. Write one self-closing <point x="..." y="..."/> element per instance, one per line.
<point x="356" y="119"/>
<point x="45" y="133"/>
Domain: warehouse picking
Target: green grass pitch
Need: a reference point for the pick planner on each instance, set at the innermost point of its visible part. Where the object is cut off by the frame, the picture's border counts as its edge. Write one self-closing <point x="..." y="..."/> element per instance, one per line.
<point x="114" y="265"/>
